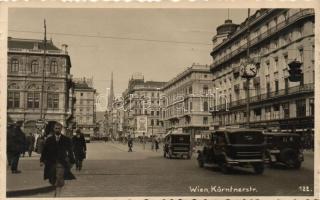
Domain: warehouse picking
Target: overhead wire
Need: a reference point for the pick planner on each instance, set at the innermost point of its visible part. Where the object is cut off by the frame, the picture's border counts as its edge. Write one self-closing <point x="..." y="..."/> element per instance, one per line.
<point x="113" y="37"/>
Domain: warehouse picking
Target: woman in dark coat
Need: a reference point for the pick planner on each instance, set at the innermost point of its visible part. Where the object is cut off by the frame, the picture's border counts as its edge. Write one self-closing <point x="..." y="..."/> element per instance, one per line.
<point x="79" y="148"/>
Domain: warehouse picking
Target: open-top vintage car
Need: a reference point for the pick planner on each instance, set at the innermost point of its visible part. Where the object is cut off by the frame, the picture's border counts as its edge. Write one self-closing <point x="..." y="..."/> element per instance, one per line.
<point x="234" y="147"/>
<point x="284" y="148"/>
<point x="177" y="144"/>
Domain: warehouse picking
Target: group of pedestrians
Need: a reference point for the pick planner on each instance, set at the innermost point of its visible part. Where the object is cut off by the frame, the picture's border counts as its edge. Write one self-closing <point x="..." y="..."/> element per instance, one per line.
<point x="58" y="152"/>
<point x="154" y="144"/>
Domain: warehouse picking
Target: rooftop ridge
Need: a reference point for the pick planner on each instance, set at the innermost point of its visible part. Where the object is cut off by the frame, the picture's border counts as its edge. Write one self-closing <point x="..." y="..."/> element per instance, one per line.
<point x="194" y="67"/>
<point x="26" y="39"/>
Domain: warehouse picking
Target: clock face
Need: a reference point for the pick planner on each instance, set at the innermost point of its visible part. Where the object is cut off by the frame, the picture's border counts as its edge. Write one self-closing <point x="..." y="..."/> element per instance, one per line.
<point x="251" y="70"/>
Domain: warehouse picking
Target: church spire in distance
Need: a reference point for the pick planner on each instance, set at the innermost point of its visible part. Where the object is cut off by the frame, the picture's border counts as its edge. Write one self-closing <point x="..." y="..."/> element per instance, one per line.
<point x="111" y="94"/>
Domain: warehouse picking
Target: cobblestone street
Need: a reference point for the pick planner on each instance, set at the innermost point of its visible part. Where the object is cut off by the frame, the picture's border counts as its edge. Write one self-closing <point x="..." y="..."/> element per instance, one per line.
<point x="110" y="170"/>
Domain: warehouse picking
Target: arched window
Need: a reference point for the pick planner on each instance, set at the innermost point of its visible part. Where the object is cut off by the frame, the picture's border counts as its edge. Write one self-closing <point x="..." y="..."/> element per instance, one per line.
<point x="34" y="67"/>
<point x="205" y="106"/>
<point x="14" y="67"/>
<point x="54" y="67"/>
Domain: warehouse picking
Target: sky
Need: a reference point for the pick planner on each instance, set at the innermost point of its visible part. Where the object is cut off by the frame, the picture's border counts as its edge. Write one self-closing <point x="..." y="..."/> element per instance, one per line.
<point x="159" y="43"/>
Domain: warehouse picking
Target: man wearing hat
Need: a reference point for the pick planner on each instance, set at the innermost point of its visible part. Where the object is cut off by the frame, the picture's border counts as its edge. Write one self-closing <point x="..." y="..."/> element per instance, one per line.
<point x="58" y="158"/>
<point x="16" y="141"/>
<point x="79" y="148"/>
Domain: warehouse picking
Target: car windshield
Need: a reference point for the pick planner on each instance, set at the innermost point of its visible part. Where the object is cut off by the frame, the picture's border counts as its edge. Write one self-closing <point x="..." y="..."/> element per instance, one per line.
<point x="180" y="139"/>
<point x="246" y="138"/>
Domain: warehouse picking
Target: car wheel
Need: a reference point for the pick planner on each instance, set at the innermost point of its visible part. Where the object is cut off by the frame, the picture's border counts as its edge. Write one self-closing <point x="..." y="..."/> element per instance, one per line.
<point x="224" y="168"/>
<point x="297" y="165"/>
<point x="289" y="157"/>
<point x="170" y="155"/>
<point x="258" y="168"/>
<point x="200" y="163"/>
<point x="272" y="164"/>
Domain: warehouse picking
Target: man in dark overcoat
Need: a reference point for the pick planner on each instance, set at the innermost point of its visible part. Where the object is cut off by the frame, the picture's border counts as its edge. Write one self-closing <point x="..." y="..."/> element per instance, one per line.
<point x="130" y="144"/>
<point x="58" y="158"/>
<point x="79" y="148"/>
<point x="16" y="141"/>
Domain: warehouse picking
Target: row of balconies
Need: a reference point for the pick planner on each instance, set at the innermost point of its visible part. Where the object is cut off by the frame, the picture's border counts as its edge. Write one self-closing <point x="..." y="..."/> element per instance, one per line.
<point x="299" y="15"/>
<point x="307" y="88"/>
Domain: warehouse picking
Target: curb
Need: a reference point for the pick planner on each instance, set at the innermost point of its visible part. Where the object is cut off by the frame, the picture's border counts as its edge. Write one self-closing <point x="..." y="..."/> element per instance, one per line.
<point x="30" y="191"/>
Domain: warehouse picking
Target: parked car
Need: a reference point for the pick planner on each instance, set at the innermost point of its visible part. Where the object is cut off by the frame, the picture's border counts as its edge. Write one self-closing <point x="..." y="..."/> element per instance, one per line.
<point x="177" y="144"/>
<point x="284" y="148"/>
<point x="234" y="147"/>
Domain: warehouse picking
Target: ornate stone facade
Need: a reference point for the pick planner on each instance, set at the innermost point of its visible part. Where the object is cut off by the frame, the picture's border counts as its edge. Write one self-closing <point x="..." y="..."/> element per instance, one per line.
<point x="25" y="71"/>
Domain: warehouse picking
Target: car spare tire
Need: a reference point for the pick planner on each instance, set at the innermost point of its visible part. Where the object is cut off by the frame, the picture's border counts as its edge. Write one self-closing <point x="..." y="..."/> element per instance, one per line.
<point x="289" y="157"/>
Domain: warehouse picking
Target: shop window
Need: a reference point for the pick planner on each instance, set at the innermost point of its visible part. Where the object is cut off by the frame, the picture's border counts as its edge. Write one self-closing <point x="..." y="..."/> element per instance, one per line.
<point x="301" y="108"/>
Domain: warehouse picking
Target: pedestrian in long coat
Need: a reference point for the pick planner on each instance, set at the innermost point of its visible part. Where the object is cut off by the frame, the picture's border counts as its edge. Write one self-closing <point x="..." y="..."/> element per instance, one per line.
<point x="79" y="148"/>
<point x="156" y="144"/>
<point x="130" y="144"/>
<point x="30" y="142"/>
<point x="16" y="141"/>
<point x="58" y="158"/>
<point x="40" y="144"/>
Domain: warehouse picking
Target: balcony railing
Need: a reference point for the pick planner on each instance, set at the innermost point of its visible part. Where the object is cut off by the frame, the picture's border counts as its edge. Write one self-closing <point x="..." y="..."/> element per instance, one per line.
<point x="262" y="97"/>
<point x="264" y="35"/>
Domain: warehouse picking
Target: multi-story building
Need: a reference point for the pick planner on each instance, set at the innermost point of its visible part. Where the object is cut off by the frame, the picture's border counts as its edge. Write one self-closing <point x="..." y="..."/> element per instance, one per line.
<point x="84" y="108"/>
<point x="26" y="98"/>
<point x="277" y="37"/>
<point x="187" y="99"/>
<point x="142" y="100"/>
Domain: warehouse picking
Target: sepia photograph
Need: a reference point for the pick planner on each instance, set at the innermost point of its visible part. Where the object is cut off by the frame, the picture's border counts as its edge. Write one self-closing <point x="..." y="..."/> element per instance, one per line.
<point x="160" y="102"/>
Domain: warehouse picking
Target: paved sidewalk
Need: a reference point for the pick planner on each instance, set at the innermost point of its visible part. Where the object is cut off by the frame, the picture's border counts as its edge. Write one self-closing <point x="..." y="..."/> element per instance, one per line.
<point x="30" y="181"/>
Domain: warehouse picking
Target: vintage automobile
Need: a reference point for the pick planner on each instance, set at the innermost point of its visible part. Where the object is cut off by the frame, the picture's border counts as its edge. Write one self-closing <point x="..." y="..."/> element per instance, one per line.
<point x="177" y="144"/>
<point x="284" y="148"/>
<point x="234" y="147"/>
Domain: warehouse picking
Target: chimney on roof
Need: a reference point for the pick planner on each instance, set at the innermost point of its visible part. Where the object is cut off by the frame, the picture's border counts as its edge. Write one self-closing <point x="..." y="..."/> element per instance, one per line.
<point x="65" y="48"/>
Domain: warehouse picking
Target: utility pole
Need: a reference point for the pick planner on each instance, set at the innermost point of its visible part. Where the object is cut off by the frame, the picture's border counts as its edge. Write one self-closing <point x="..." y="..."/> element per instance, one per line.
<point x="42" y="116"/>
